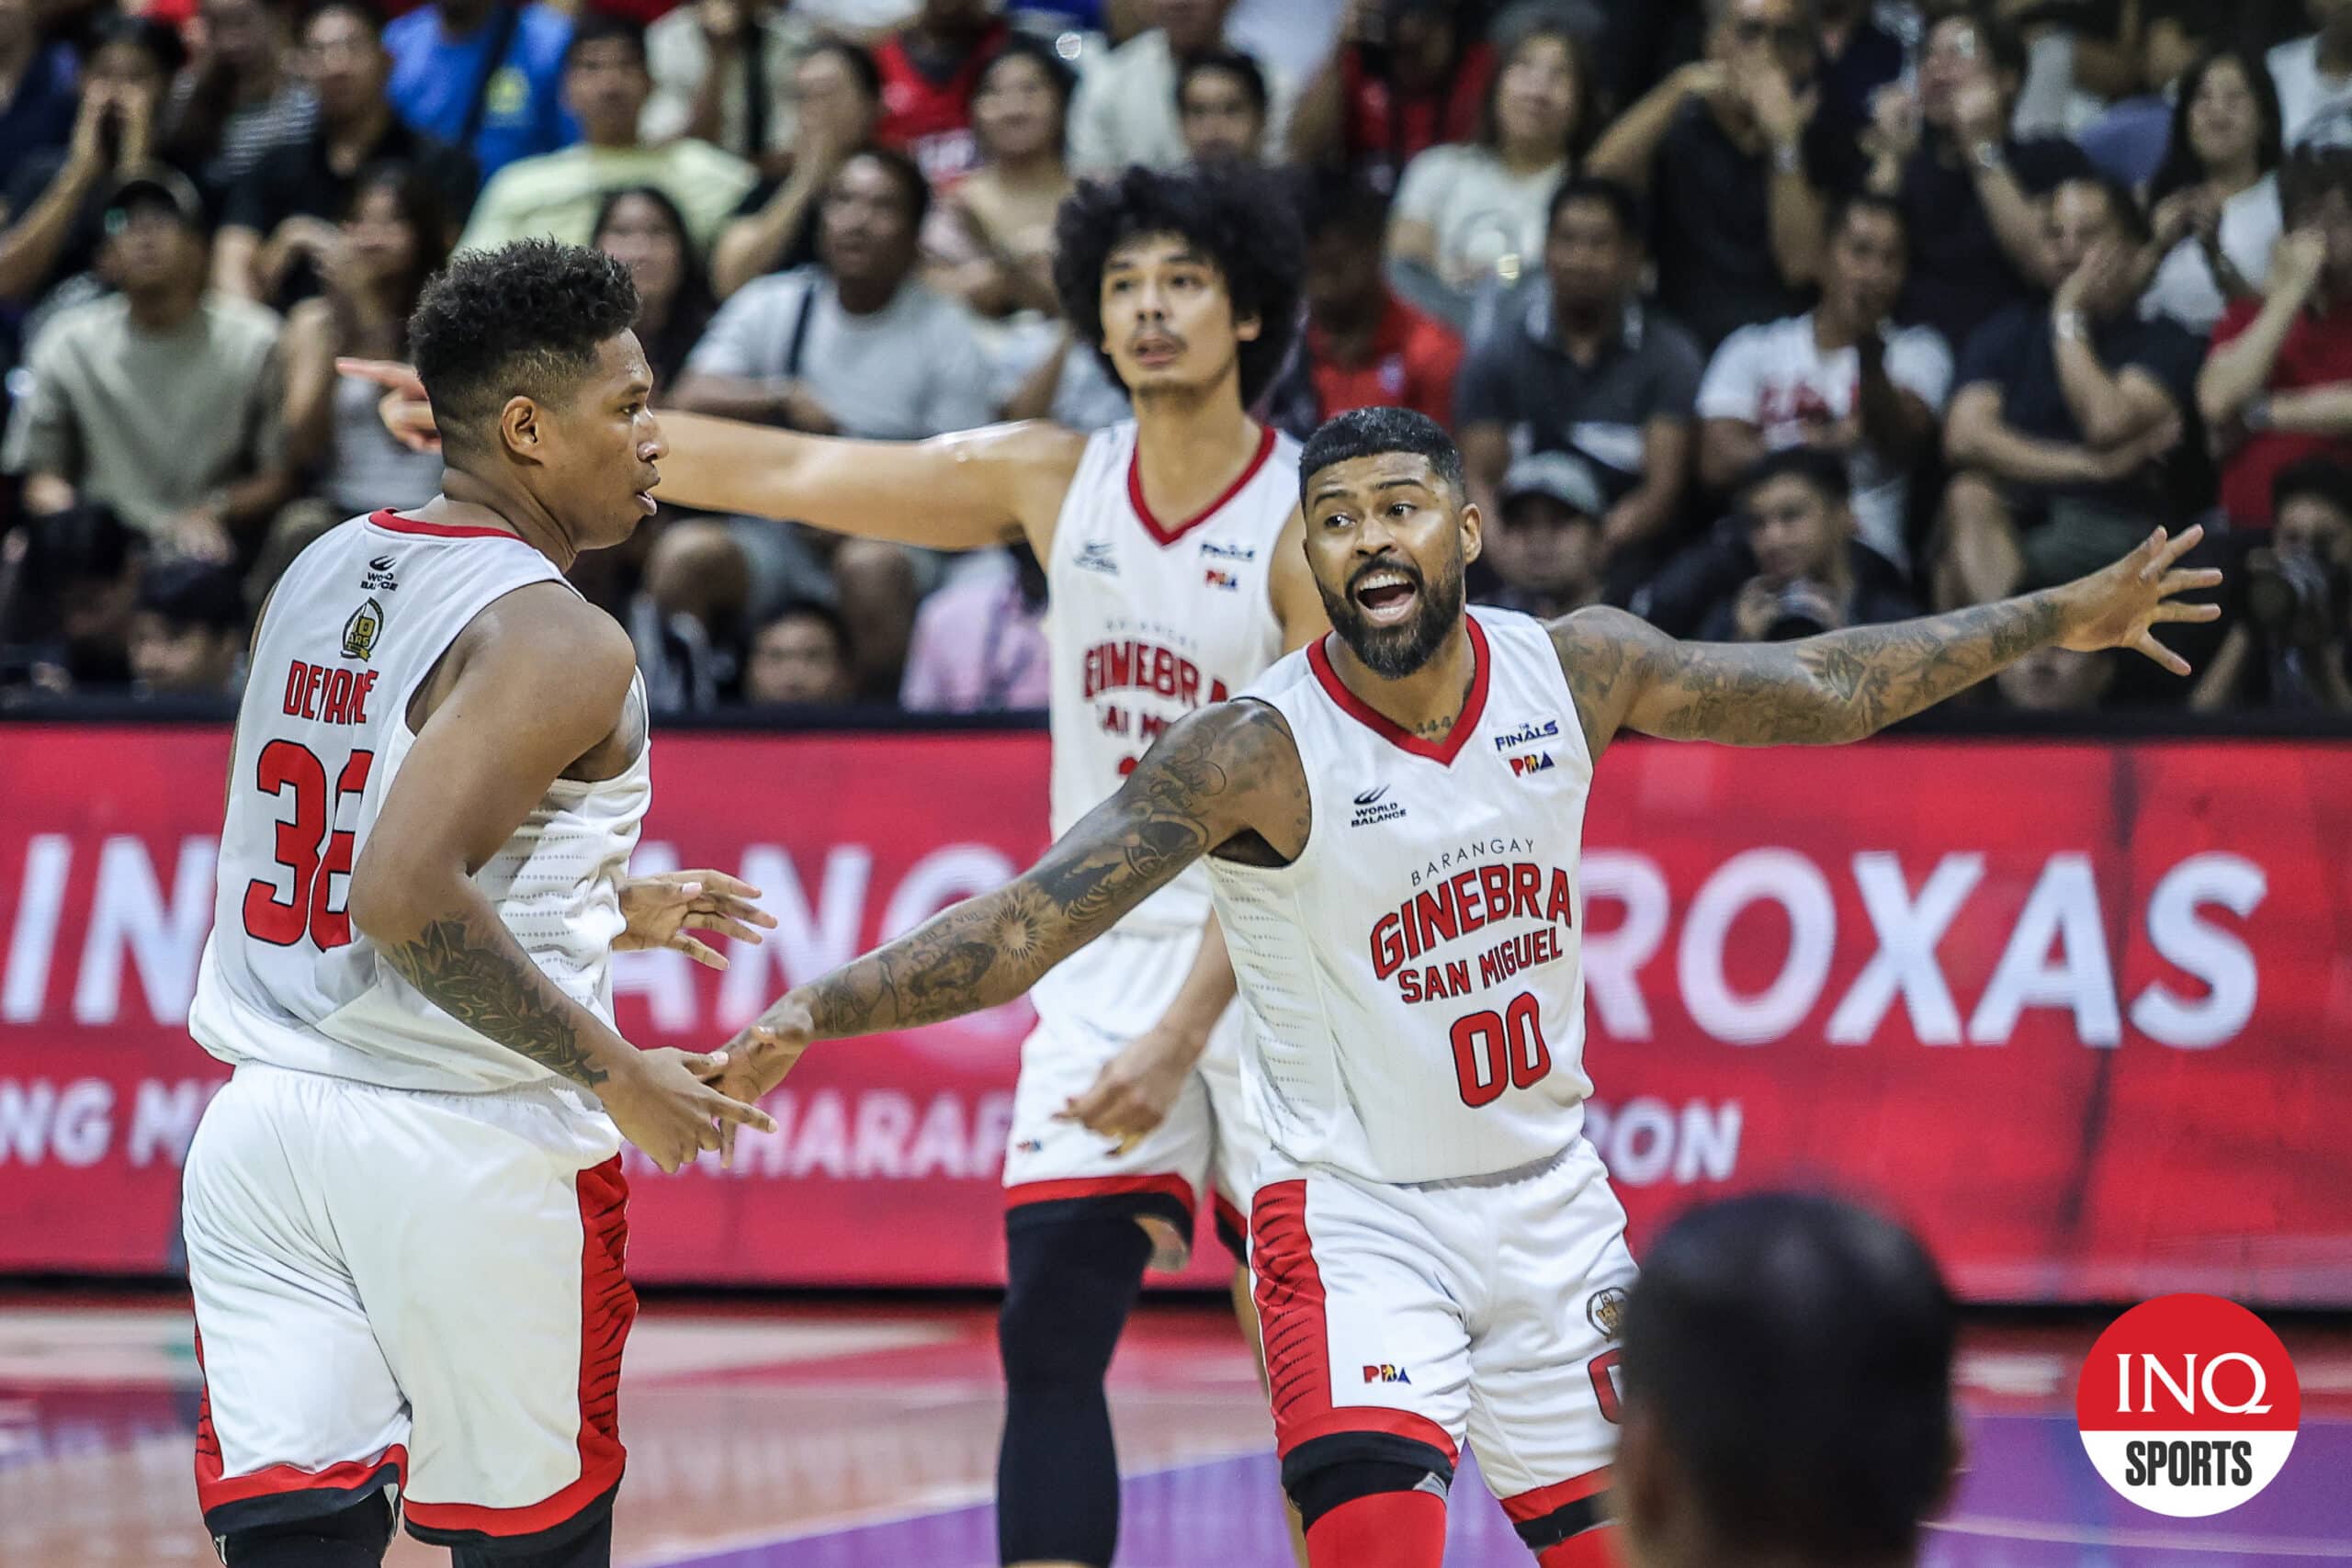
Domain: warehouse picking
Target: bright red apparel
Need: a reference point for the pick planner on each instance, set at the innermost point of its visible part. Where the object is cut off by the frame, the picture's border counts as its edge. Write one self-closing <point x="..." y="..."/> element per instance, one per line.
<point x="1413" y="365"/>
<point x="2316" y="351"/>
<point x="932" y="120"/>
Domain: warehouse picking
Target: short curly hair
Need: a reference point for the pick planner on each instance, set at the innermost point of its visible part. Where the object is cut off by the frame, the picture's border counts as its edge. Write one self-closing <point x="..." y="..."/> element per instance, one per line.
<point x="1234" y="214"/>
<point x="523" y="320"/>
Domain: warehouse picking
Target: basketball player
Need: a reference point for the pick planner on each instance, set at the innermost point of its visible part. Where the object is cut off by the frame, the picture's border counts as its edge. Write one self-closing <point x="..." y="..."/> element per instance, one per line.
<point x="1391" y="820"/>
<point x="1787" y="1390"/>
<point x="1171" y="549"/>
<point x="404" y="1212"/>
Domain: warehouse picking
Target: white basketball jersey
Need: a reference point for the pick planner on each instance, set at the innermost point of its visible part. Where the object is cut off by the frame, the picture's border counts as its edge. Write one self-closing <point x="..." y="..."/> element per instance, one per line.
<point x="354" y="627"/>
<point x="1413" y="979"/>
<point x="1151" y="619"/>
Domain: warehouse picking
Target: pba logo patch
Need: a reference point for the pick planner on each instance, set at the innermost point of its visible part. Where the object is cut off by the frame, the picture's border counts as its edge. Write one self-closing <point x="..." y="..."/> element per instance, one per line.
<point x="1384" y="1372"/>
<point x="1217" y="577"/>
<point x="360" y="632"/>
<point x="1528" y="762"/>
<point x="2188" y="1405"/>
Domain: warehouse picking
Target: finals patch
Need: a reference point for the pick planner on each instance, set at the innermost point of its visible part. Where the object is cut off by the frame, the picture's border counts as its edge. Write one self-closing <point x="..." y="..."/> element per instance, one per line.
<point x="360" y="632"/>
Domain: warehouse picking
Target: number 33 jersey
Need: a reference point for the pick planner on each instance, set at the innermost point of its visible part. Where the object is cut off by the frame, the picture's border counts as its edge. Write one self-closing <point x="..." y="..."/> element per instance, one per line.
<point x="352" y="631"/>
<point x="1413" y="979"/>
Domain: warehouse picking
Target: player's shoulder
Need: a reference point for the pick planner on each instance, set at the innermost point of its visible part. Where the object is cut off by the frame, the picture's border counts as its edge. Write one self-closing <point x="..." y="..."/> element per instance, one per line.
<point x="546" y="629"/>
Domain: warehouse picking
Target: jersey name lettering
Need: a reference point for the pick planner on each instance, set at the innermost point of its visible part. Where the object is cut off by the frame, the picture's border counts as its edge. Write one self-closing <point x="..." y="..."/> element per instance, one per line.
<point x="1127" y="663"/>
<point x="327" y="695"/>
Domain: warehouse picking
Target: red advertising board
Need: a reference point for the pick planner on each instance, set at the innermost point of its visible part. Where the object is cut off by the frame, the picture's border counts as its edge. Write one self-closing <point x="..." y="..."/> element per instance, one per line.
<point x="2081" y="1011"/>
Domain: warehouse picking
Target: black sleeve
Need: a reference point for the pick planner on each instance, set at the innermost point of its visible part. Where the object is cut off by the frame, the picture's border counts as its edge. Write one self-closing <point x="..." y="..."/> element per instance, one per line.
<point x="452" y="172"/>
<point x="2172" y="354"/>
<point x="2044" y="163"/>
<point x="1992" y="351"/>
<point x="257" y="200"/>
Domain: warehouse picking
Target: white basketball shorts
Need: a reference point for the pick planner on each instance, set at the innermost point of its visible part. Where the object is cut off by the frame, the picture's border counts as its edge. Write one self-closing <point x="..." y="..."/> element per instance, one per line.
<point x="1089" y="1009"/>
<point x="1400" y="1321"/>
<point x="409" y="1289"/>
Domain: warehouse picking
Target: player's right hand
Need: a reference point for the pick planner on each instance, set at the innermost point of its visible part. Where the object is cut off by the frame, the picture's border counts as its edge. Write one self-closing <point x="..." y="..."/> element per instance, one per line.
<point x="669" y="1103"/>
<point x="405" y="409"/>
<point x="758" y="1058"/>
<point x="1136" y="1089"/>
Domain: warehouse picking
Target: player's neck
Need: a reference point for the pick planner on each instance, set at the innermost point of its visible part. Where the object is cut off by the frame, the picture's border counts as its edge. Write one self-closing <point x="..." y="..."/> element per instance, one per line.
<point x="1428" y="703"/>
<point x="1190" y="448"/>
<point x="468" y="501"/>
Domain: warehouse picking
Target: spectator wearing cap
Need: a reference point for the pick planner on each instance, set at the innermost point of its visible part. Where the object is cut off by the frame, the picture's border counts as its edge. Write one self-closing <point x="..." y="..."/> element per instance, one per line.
<point x="53" y="213"/>
<point x="1733" y="169"/>
<point x="161" y="401"/>
<point x="929" y="68"/>
<point x="1125" y="109"/>
<point x="1971" y="192"/>
<point x="1841" y="378"/>
<point x="1363" y="346"/>
<point x="556" y="194"/>
<point x="1470" y="217"/>
<point x="237" y="100"/>
<point x="2313" y="73"/>
<point x="776" y="226"/>
<point x="980" y="642"/>
<point x="2064" y="415"/>
<point x="280" y="228"/>
<point x="1221" y="105"/>
<point x="485" y="76"/>
<point x="1795" y="508"/>
<point x="188" y="636"/>
<point x="2214" y="202"/>
<point x="1542" y="553"/>
<point x="1574" y="362"/>
<point x="79" y="588"/>
<point x="2278" y="386"/>
<point x="1407" y="75"/>
<point x="37" y="81"/>
<point x="727" y="72"/>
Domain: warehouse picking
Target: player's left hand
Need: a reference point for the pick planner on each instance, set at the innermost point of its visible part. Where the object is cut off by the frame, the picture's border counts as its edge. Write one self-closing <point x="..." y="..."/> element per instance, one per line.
<point x="1136" y="1089"/>
<point x="664" y="911"/>
<point x="2120" y="607"/>
<point x="759" y="1058"/>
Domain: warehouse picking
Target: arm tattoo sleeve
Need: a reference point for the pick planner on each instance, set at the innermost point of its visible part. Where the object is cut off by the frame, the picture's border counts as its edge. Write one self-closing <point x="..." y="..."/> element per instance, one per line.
<point x="1820" y="691"/>
<point x="1208" y="779"/>
<point x="485" y="982"/>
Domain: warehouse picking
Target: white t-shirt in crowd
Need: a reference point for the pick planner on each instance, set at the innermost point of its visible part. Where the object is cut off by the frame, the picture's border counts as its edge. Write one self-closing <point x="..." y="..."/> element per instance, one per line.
<point x="1775" y="377"/>
<point x="2184" y="286"/>
<point x="1489" y="222"/>
<point x="2304" y="95"/>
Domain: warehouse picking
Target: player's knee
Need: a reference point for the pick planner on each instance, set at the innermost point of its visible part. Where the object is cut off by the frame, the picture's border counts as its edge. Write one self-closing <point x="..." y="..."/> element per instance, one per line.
<point x="1319" y="1490"/>
<point x="1070" y="1285"/>
<point x="351" y="1537"/>
<point x="586" y="1540"/>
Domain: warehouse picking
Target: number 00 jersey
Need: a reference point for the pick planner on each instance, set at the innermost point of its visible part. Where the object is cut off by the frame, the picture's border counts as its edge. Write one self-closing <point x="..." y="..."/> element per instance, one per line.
<point x="353" y="629"/>
<point x="1413" y="979"/>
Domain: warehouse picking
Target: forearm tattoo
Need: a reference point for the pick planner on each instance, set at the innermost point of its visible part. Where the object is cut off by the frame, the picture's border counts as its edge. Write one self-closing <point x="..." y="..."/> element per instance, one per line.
<point x="487" y="987"/>
<point x="1213" y="775"/>
<point x="1822" y="690"/>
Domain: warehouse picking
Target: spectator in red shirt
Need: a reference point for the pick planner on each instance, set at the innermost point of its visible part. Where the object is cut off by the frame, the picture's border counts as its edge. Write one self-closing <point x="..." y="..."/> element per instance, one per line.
<point x="929" y="70"/>
<point x="1407" y="75"/>
<point x="2278" y="386"/>
<point x="1364" y="347"/>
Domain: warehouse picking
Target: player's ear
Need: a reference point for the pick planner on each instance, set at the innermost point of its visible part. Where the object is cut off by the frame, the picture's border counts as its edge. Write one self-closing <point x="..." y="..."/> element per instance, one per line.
<point x="520" y="425"/>
<point x="1473" y="526"/>
<point x="1245" y="329"/>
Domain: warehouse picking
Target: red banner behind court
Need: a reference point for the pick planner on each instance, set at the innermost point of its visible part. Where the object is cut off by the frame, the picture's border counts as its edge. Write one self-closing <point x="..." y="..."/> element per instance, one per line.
<point x="2081" y="1011"/>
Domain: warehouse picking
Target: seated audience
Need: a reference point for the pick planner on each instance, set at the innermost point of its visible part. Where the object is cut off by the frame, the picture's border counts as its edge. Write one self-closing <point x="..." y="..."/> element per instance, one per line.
<point x="2313" y="73"/>
<point x="1407" y="75"/>
<point x="776" y="226"/>
<point x="991" y="239"/>
<point x="980" y="642"/>
<point x="929" y="68"/>
<point x="2129" y="142"/>
<point x="282" y="219"/>
<point x="485" y="76"/>
<point x="2064" y="414"/>
<point x="641" y="228"/>
<point x="236" y="99"/>
<point x="79" y="588"/>
<point x="161" y="401"/>
<point x="1859" y="58"/>
<point x="40" y="87"/>
<point x="1812" y="574"/>
<point x="2278" y="386"/>
<point x="188" y="638"/>
<point x="556" y="194"/>
<point x="799" y="657"/>
<point x="2290" y="645"/>
<point x="725" y="71"/>
<point x="2214" y="203"/>
<point x="1125" y="109"/>
<point x="1362" y="345"/>
<point x="1469" y="215"/>
<point x="2051" y="679"/>
<point x="1221" y="105"/>
<point x="1841" y="378"/>
<point x="1541" y="554"/>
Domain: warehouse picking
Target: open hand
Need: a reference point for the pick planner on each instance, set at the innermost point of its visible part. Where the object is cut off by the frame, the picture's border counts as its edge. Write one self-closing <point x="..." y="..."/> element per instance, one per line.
<point x="758" y="1058"/>
<point x="2121" y="605"/>
<point x="405" y="409"/>
<point x="664" y="910"/>
<point x="665" y="1101"/>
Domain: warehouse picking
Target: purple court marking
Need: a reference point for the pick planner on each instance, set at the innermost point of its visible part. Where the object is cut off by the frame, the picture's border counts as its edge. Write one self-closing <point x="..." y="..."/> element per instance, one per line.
<point x="2030" y="1500"/>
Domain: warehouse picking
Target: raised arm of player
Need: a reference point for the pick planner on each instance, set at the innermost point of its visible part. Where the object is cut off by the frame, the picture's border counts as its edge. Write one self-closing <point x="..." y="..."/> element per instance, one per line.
<point x="1844" y="685"/>
<point x="961" y="492"/>
<point x="540" y="680"/>
<point x="1224" y="774"/>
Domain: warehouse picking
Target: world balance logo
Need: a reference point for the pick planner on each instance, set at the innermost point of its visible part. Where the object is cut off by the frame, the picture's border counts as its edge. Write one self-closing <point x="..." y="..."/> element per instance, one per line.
<point x="2188" y="1405"/>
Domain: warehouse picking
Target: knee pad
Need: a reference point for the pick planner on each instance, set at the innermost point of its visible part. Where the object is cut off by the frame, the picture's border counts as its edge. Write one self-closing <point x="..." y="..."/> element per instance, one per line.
<point x="1326" y="1488"/>
<point x="1069" y="1283"/>
<point x="354" y="1535"/>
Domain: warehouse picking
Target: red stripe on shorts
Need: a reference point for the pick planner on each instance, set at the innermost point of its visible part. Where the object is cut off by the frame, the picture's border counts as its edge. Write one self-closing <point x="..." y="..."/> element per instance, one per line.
<point x="1559" y="1494"/>
<point x="607" y="1307"/>
<point x="214" y="1490"/>
<point x="1292" y="1324"/>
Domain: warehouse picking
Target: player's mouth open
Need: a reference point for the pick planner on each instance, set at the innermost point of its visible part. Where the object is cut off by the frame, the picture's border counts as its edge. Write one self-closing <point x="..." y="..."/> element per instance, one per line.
<point x="1155" y="352"/>
<point x="645" y="496"/>
<point x="1387" y="595"/>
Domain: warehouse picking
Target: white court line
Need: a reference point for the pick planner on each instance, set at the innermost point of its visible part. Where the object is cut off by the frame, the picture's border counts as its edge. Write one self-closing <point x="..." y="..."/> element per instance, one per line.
<point x="2142" y="1540"/>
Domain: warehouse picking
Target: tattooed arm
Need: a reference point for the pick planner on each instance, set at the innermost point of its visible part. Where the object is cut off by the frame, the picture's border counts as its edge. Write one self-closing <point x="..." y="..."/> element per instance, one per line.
<point x="537" y="682"/>
<point x="1228" y="772"/>
<point x="1822" y="690"/>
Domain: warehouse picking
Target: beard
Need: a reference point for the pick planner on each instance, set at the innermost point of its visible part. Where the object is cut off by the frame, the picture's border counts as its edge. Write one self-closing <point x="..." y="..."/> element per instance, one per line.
<point x="1394" y="652"/>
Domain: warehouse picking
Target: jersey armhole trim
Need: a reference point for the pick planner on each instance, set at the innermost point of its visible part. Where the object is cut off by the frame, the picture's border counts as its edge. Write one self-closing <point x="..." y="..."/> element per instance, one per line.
<point x="1164" y="535"/>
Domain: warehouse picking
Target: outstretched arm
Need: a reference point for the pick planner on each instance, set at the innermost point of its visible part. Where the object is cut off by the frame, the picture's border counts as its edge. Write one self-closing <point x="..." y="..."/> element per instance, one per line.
<point x="1226" y="771"/>
<point x="1842" y="686"/>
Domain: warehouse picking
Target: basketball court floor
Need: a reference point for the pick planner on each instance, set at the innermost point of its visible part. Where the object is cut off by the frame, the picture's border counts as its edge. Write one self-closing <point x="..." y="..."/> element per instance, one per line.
<point x="767" y="1436"/>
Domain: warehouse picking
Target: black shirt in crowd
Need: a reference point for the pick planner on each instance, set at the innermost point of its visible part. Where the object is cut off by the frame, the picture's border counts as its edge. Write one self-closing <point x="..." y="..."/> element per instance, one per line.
<point x="1959" y="274"/>
<point x="296" y="181"/>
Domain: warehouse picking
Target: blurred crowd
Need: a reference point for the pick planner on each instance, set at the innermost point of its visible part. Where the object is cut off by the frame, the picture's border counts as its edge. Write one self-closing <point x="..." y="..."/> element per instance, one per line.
<point x="1757" y="317"/>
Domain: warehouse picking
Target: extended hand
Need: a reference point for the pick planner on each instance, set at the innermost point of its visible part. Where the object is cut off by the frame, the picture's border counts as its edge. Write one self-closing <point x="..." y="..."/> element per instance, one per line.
<point x="1137" y="1088"/>
<point x="2120" y="606"/>
<point x="666" y="1103"/>
<point x="665" y="909"/>
<point x="758" y="1058"/>
<point x="404" y="410"/>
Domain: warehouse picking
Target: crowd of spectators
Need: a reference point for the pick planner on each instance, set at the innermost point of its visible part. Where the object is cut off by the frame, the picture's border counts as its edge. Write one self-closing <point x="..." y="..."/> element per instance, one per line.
<point x="1757" y="317"/>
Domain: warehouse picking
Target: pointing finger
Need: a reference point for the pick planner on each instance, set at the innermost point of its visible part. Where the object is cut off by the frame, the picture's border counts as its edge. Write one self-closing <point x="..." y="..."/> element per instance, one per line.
<point x="735" y="1111"/>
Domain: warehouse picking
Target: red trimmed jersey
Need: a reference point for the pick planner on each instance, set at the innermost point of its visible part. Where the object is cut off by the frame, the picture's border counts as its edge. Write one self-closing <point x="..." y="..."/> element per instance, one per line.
<point x="928" y="118"/>
<point x="1413" y="981"/>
